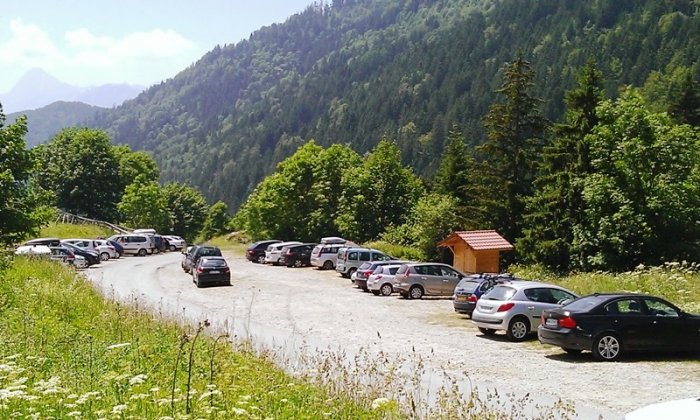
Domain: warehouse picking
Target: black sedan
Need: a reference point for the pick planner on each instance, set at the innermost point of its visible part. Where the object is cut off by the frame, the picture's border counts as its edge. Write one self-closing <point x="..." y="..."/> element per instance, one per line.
<point x="91" y="257"/>
<point x="610" y="325"/>
<point x="211" y="270"/>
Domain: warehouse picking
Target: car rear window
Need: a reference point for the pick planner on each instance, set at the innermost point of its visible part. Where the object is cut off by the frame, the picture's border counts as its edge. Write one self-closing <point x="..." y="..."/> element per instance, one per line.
<point x="469" y="285"/>
<point x="365" y="266"/>
<point x="214" y="263"/>
<point x="500" y="293"/>
<point x="213" y="252"/>
<point x="586" y="303"/>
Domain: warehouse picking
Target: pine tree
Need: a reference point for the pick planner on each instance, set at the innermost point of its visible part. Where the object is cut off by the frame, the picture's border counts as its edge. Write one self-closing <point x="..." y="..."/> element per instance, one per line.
<point x="557" y="206"/>
<point x="685" y="104"/>
<point x="515" y="135"/>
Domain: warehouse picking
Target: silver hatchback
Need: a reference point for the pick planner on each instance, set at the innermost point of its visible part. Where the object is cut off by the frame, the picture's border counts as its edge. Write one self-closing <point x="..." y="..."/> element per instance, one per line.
<point x="516" y="307"/>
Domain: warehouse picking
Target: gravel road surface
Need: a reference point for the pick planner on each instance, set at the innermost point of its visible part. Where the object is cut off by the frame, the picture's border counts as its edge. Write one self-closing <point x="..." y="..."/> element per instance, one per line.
<point x="297" y="310"/>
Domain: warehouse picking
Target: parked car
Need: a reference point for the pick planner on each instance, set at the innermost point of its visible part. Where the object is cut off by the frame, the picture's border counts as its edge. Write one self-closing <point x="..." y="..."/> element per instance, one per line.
<point x="44" y="241"/>
<point x="197" y="252"/>
<point x="211" y="270"/>
<point x="324" y="256"/>
<point x="516" y="307"/>
<point x="381" y="281"/>
<point x="256" y="252"/>
<point x="361" y="275"/>
<point x="137" y="244"/>
<point x="63" y="254"/>
<point x="104" y="251"/>
<point x="118" y="249"/>
<point x="610" y="325"/>
<point x="297" y="255"/>
<point x="274" y="251"/>
<point x="117" y="246"/>
<point x="350" y="258"/>
<point x="471" y="288"/>
<point x="676" y="409"/>
<point x="91" y="257"/>
<point x="34" y="250"/>
<point x="175" y="243"/>
<point x="415" y="280"/>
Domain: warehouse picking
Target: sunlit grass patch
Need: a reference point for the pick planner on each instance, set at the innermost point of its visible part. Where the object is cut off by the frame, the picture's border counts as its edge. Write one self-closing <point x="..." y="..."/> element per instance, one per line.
<point x="68" y="230"/>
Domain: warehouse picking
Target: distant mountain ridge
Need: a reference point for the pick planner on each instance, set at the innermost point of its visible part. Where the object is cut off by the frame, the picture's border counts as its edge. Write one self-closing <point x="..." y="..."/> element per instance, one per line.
<point x="45" y="122"/>
<point x="37" y="89"/>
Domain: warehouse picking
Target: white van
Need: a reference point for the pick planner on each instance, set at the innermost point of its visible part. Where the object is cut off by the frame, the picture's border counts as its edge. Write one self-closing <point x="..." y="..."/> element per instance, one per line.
<point x="137" y="244"/>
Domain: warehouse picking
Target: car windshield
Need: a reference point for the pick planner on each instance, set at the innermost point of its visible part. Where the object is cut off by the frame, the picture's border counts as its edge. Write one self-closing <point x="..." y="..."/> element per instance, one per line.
<point x="500" y="293"/>
<point x="586" y="303"/>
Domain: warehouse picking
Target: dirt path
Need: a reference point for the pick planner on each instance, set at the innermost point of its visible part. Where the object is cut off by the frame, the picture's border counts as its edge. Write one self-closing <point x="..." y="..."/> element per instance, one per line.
<point x="300" y="310"/>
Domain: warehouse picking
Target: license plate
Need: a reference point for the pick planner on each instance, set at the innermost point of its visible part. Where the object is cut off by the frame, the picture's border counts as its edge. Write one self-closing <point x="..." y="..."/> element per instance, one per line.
<point x="214" y="272"/>
<point x="551" y="322"/>
<point x="461" y="299"/>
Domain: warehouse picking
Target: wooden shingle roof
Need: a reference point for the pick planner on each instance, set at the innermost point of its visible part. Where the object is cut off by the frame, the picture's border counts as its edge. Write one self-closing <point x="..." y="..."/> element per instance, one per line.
<point x="479" y="240"/>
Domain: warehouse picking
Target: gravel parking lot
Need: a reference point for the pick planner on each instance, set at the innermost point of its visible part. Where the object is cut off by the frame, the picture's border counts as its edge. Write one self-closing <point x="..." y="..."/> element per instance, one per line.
<point x="298" y="310"/>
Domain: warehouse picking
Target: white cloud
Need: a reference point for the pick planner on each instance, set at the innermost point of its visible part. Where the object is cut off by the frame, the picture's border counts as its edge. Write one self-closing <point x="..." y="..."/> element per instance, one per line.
<point x="28" y="46"/>
<point x="82" y="57"/>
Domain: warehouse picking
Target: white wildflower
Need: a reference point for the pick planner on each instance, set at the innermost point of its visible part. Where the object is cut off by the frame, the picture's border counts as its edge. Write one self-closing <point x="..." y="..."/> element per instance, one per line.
<point x="138" y="396"/>
<point x="14" y="356"/>
<point x="239" y="411"/>
<point x="116" y="346"/>
<point x="154" y="389"/>
<point x="74" y="414"/>
<point x="117" y="409"/>
<point x="138" y="379"/>
<point x="284" y="400"/>
<point x="379" y="403"/>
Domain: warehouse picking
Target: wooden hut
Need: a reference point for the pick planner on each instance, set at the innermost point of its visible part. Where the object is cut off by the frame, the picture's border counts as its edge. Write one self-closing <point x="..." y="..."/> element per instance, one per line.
<point x="476" y="251"/>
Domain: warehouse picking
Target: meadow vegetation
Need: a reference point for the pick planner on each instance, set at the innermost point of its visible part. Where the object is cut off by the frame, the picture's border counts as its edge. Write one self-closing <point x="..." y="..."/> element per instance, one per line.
<point x="69" y="353"/>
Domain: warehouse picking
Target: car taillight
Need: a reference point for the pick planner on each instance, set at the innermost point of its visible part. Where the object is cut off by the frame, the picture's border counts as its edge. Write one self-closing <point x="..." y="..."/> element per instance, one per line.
<point x="471" y="298"/>
<point x="567" y="322"/>
<point x="200" y="269"/>
<point x="227" y="270"/>
<point x="505" y="307"/>
<point x="289" y="252"/>
<point x="366" y="273"/>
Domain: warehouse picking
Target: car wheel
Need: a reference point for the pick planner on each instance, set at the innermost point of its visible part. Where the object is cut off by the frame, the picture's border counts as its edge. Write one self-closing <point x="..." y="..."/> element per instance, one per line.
<point x="572" y="351"/>
<point x="376" y="292"/>
<point x="298" y="263"/>
<point x="416" y="292"/>
<point x="386" y="289"/>
<point x="607" y="347"/>
<point x="172" y="248"/>
<point x="351" y="272"/>
<point x="104" y="256"/>
<point x="142" y="252"/>
<point x="328" y="265"/>
<point x="487" y="331"/>
<point x="518" y="329"/>
<point x="261" y="259"/>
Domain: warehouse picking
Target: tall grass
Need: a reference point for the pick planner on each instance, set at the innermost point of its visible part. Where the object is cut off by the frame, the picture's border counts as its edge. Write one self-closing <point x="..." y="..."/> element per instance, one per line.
<point x="68" y="353"/>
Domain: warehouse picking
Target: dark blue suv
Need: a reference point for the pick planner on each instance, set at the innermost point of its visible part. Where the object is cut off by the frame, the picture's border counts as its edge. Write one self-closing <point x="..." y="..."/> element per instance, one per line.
<point x="470" y="289"/>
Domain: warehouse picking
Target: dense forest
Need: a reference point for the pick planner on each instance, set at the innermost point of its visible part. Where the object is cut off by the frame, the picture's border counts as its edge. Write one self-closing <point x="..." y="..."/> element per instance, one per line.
<point x="355" y="71"/>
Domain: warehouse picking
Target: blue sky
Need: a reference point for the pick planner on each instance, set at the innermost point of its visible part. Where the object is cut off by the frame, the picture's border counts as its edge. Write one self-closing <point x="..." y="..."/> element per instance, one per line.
<point x="92" y="42"/>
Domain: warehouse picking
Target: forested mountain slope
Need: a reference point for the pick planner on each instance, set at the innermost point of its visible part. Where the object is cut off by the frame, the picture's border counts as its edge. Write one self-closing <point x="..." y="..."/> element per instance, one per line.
<point x="43" y="123"/>
<point x="355" y="71"/>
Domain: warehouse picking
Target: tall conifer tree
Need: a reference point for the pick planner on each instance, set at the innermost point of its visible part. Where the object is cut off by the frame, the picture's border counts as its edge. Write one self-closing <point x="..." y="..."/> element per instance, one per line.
<point x="515" y="135"/>
<point x="557" y="204"/>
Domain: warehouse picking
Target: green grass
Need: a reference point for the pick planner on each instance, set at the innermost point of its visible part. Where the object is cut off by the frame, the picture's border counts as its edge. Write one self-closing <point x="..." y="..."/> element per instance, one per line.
<point x="67" y="352"/>
<point x="67" y="230"/>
